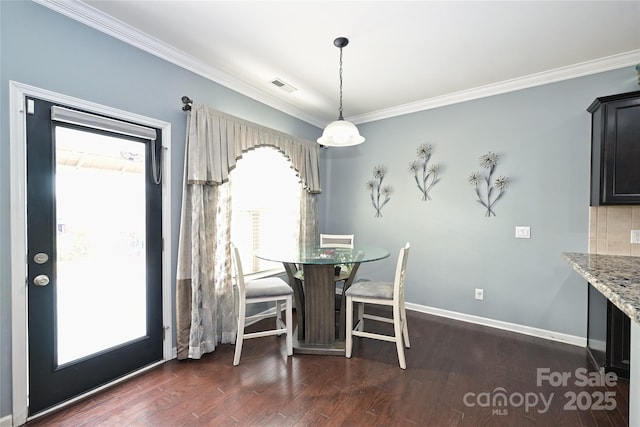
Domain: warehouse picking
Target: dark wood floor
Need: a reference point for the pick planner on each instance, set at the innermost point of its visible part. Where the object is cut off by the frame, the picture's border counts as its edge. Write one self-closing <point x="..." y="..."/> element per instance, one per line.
<point x="447" y="362"/>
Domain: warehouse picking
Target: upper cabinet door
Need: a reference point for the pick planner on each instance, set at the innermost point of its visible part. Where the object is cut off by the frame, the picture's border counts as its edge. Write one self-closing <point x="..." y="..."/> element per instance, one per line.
<point x="615" y="150"/>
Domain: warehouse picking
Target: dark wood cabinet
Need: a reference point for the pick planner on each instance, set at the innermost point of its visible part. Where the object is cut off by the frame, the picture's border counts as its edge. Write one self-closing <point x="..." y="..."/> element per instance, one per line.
<point x="596" y="327"/>
<point x="615" y="150"/>
<point x="608" y="335"/>
<point x="618" y="342"/>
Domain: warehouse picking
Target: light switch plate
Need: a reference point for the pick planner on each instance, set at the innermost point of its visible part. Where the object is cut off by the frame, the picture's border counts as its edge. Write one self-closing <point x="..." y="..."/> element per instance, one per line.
<point x="523" y="232"/>
<point x="635" y="236"/>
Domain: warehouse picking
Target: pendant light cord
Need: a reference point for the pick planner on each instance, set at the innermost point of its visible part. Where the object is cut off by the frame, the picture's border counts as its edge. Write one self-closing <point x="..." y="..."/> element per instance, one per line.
<point x="340" y="109"/>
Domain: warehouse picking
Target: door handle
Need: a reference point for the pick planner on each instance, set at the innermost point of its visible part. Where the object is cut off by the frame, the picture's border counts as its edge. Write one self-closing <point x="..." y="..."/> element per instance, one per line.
<point x="41" y="280"/>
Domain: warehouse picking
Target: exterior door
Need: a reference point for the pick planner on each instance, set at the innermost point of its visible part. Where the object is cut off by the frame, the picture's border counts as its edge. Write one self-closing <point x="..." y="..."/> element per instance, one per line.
<point x="94" y="251"/>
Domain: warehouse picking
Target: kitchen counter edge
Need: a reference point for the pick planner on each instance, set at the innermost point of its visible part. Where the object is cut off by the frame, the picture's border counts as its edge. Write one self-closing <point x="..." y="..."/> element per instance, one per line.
<point x="616" y="277"/>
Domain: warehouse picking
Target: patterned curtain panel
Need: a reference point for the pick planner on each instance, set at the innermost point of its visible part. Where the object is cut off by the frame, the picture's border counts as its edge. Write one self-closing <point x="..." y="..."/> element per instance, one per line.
<point x="309" y="236"/>
<point x="204" y="291"/>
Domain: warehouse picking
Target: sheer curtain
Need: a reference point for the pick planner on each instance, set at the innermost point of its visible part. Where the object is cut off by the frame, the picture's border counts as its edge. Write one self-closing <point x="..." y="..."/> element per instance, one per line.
<point x="204" y="292"/>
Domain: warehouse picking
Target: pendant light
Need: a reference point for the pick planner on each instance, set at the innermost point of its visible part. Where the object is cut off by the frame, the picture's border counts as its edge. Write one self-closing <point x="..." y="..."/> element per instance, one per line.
<point x="340" y="133"/>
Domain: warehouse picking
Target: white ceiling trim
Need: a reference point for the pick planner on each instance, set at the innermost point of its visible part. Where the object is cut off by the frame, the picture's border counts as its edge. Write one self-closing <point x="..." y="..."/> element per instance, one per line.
<point x="627" y="59"/>
<point x="98" y="20"/>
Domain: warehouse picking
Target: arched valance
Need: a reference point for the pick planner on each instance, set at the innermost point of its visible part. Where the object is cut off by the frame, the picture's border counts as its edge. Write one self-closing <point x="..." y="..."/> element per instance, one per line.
<point x="216" y="140"/>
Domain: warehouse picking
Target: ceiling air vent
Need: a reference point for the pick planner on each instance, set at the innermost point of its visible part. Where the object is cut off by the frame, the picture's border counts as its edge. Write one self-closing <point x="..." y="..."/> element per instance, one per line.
<point x="283" y="85"/>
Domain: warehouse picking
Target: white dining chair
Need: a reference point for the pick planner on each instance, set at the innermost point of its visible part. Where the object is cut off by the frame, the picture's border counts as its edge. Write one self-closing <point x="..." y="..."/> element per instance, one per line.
<point x="268" y="289"/>
<point x="380" y="293"/>
<point x="338" y="241"/>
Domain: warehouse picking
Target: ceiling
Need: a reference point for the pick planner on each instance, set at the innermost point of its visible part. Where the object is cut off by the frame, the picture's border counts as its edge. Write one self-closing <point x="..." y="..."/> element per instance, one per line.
<point x="402" y="56"/>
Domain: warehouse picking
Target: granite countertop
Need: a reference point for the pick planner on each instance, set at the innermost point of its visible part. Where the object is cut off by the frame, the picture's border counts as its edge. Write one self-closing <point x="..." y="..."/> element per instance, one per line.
<point x="616" y="277"/>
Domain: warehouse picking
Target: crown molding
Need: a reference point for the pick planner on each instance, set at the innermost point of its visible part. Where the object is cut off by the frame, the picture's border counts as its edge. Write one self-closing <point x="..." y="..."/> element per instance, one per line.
<point x="92" y="17"/>
<point x="608" y="63"/>
<point x="81" y="12"/>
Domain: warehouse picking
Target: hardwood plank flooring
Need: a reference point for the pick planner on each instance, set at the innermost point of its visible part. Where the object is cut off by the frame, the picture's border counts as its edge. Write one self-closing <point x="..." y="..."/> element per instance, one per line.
<point x="456" y="373"/>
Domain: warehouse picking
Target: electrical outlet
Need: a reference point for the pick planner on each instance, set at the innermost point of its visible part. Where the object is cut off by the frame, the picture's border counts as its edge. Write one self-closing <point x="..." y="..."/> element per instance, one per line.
<point x="479" y="294"/>
<point x="635" y="236"/>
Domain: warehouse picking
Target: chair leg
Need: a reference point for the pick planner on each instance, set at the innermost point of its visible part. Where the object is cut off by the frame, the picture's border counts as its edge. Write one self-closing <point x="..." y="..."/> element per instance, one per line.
<point x="342" y="319"/>
<point x="289" y="317"/>
<point x="405" y="330"/>
<point x="278" y="314"/>
<point x="360" y="322"/>
<point x="398" y="331"/>
<point x="349" y="328"/>
<point x="240" y="334"/>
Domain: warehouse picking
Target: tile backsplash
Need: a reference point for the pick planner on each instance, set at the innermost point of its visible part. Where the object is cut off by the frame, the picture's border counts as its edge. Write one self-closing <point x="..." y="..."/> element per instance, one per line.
<point x="610" y="230"/>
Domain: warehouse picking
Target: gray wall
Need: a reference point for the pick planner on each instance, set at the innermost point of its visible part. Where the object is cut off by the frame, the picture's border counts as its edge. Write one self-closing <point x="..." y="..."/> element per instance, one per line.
<point x="61" y="55"/>
<point x="542" y="135"/>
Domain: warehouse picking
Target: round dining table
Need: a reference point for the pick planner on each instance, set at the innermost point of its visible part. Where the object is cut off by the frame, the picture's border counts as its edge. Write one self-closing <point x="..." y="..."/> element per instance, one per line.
<point x="315" y="291"/>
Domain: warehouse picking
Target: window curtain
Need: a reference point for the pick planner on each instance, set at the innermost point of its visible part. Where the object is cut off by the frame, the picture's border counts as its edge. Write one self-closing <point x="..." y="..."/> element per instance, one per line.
<point x="309" y="235"/>
<point x="204" y="291"/>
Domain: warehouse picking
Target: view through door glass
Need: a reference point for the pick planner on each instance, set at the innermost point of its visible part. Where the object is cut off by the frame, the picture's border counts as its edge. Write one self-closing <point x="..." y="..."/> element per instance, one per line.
<point x="94" y="243"/>
<point x="100" y="242"/>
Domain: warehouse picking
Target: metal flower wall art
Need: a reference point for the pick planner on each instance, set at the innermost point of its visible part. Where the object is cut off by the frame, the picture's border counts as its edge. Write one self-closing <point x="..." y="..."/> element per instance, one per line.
<point x="380" y="195"/>
<point x="426" y="175"/>
<point x="488" y="197"/>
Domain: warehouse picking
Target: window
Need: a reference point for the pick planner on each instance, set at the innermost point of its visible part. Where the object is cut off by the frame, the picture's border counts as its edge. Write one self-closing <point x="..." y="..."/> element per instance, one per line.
<point x="265" y="206"/>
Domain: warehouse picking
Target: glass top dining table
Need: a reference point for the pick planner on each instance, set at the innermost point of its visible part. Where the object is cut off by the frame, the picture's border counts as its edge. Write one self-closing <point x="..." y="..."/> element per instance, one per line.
<point x="315" y="292"/>
<point x="329" y="256"/>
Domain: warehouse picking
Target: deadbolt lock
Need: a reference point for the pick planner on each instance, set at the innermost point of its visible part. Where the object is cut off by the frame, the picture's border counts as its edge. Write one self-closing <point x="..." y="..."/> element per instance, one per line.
<point x="41" y="280"/>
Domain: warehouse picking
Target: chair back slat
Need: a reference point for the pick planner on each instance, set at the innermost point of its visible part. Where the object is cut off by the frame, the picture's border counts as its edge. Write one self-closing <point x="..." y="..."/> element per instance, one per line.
<point x="236" y="266"/>
<point x="401" y="272"/>
<point x="336" y="241"/>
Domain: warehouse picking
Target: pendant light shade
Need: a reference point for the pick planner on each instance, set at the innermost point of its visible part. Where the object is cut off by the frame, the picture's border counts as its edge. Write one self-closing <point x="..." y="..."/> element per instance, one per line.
<point x="340" y="133"/>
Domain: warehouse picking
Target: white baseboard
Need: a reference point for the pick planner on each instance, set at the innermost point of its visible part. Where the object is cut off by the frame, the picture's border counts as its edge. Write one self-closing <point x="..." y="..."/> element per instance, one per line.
<point x="485" y="321"/>
<point x="498" y="324"/>
<point x="6" y="421"/>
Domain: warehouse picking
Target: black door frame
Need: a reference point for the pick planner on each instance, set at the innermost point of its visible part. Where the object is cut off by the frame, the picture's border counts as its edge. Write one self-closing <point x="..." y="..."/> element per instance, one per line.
<point x="18" y="107"/>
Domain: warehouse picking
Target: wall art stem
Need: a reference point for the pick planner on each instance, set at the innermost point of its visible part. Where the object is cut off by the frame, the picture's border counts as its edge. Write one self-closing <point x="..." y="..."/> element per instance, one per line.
<point x="380" y="195"/>
<point x="425" y="176"/>
<point x="485" y="189"/>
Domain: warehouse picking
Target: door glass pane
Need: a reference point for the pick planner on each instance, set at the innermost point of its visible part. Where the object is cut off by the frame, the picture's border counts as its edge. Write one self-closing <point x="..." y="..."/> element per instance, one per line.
<point x="101" y="257"/>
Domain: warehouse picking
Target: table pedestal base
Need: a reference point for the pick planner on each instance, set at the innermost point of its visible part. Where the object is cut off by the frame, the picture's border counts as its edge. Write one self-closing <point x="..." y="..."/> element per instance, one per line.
<point x="319" y="311"/>
<point x="334" y="349"/>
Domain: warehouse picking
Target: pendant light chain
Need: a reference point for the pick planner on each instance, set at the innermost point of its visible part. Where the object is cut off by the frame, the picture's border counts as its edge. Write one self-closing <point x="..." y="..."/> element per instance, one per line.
<point x="340" y="109"/>
<point x="340" y="133"/>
